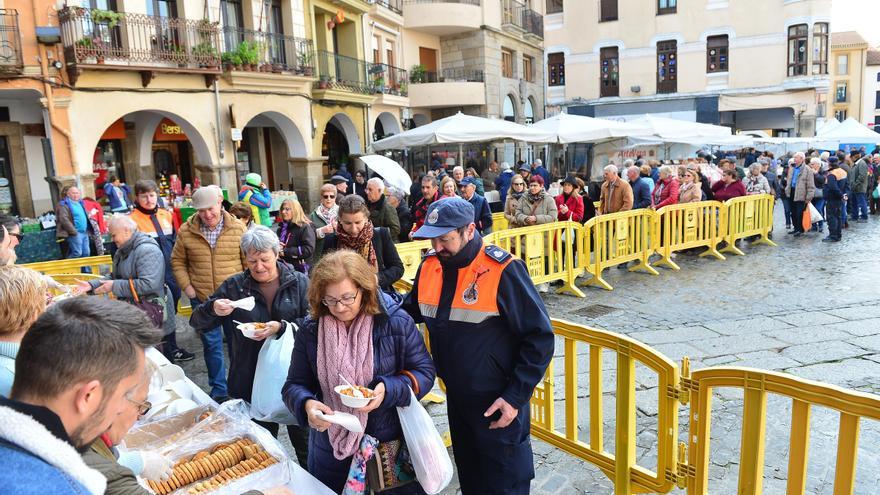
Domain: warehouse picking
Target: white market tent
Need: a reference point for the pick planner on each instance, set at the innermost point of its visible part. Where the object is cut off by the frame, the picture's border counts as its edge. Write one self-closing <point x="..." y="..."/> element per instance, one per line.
<point x="666" y="128"/>
<point x="850" y="131"/>
<point x="580" y="129"/>
<point x="461" y="128"/>
<point x="827" y="126"/>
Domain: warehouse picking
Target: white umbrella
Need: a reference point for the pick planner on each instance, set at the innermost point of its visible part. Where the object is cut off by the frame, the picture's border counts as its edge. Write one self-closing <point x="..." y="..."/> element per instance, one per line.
<point x="850" y="131"/>
<point x="461" y="128"/>
<point x="580" y="129"/>
<point x="390" y="170"/>
<point x="673" y="128"/>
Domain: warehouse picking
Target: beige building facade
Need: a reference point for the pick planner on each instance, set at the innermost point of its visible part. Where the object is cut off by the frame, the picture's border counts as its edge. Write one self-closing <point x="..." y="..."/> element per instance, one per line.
<point x="871" y="90"/>
<point x="849" y="53"/>
<point x="754" y="66"/>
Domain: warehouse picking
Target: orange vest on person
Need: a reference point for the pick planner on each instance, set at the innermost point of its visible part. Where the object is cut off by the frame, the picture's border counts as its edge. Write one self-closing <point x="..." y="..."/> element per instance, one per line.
<point x="146" y="226"/>
<point x="475" y="299"/>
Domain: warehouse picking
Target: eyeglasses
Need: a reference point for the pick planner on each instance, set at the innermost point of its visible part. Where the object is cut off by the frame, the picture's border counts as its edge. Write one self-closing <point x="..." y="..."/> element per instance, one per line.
<point x="143" y="407"/>
<point x="519" y="183"/>
<point x="345" y="300"/>
<point x="328" y="196"/>
<point x="17" y="236"/>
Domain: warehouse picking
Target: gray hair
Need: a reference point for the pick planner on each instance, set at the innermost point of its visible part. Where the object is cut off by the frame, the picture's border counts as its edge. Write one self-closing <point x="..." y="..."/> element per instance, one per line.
<point x="667" y="170"/>
<point x="800" y="154"/>
<point x="756" y="167"/>
<point x="628" y="163"/>
<point x="122" y="221"/>
<point x="260" y="239"/>
<point x="633" y="169"/>
<point x="397" y="193"/>
<point x="378" y="183"/>
<point x="610" y="168"/>
<point x="815" y="161"/>
<point x="458" y="168"/>
<point x="430" y="178"/>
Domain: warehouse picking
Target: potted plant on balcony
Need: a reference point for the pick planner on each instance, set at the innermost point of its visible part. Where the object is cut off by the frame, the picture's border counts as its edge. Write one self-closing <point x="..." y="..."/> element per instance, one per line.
<point x="417" y="73"/>
<point x="106" y="17"/>
<point x="403" y="89"/>
<point x="324" y="82"/>
<point x="230" y="60"/>
<point x="206" y="54"/>
<point x="249" y="54"/>
<point x="379" y="84"/>
<point x="305" y="64"/>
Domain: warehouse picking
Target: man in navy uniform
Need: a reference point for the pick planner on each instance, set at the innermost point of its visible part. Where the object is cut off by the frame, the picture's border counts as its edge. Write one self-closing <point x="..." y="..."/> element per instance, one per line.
<point x="491" y="340"/>
<point x="482" y="214"/>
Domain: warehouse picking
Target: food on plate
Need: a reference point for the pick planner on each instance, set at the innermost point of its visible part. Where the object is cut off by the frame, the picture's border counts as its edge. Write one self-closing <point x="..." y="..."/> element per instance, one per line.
<point x="259" y="326"/>
<point x="349" y="391"/>
<point x="209" y="470"/>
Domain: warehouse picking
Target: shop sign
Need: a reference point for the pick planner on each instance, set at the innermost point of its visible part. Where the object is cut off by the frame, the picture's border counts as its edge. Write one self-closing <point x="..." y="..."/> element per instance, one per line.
<point x="167" y="130"/>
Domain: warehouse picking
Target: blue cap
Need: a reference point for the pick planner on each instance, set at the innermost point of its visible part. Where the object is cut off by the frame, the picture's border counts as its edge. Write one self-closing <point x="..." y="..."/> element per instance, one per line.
<point x="468" y="181"/>
<point x="444" y="216"/>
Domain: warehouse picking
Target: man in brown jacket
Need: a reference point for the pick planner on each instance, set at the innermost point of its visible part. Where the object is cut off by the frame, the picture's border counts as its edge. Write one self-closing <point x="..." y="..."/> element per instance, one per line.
<point x="206" y="253"/>
<point x="800" y="188"/>
<point x="617" y="194"/>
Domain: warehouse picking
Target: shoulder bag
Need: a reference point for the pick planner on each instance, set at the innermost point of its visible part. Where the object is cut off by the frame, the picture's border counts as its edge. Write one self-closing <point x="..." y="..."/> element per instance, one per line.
<point x="153" y="309"/>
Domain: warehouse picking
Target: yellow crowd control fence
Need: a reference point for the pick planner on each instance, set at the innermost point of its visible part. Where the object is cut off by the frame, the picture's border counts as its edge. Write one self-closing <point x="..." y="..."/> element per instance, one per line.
<point x="747" y="216"/>
<point x="499" y="222"/>
<point x="619" y="238"/>
<point x="689" y="226"/>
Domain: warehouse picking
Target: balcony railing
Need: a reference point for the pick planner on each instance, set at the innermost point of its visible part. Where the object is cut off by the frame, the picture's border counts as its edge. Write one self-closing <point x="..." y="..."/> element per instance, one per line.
<point x="246" y="49"/>
<point x="392" y="5"/>
<point x="447" y="75"/>
<point x="345" y="73"/>
<point x="103" y="39"/>
<point x="389" y="79"/>
<point x="519" y="15"/>
<point x="554" y="7"/>
<point x="465" y="2"/>
<point x="10" y="42"/>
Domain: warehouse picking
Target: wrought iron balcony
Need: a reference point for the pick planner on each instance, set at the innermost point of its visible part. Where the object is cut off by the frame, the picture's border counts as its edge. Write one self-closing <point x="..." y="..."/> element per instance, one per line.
<point x="395" y="6"/>
<point x="10" y="42"/>
<point x="343" y="73"/>
<point x="249" y="50"/>
<point x="99" y="39"/>
<point x="516" y="14"/>
<point x="447" y="75"/>
<point x="389" y="79"/>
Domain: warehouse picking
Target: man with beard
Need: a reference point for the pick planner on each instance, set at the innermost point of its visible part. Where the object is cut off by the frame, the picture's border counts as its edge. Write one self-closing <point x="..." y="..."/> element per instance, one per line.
<point x="76" y="371"/>
<point x="491" y="340"/>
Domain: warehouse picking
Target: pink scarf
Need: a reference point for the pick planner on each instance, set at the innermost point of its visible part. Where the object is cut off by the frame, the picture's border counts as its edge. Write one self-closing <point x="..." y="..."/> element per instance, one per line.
<point x="349" y="352"/>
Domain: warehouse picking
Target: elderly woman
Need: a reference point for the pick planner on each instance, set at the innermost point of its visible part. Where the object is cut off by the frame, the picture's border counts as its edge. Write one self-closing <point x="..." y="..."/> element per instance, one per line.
<point x="138" y="273"/>
<point x="355" y="231"/>
<point x="22" y="300"/>
<point x="729" y="186"/>
<point x="514" y="198"/>
<point x="448" y="188"/>
<point x="537" y="207"/>
<point x="570" y="204"/>
<point x="755" y="182"/>
<point x="360" y="333"/>
<point x="323" y="218"/>
<point x="158" y="223"/>
<point x="690" y="190"/>
<point x="280" y="293"/>
<point x="666" y="189"/>
<point x="296" y="234"/>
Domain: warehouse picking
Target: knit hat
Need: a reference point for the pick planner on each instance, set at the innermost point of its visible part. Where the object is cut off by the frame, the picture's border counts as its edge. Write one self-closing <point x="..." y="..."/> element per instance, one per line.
<point x="253" y="179"/>
<point x="505" y="166"/>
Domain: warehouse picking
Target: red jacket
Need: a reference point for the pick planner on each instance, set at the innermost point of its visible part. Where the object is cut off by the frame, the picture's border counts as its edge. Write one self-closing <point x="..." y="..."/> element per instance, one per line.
<point x="94" y="210"/>
<point x="575" y="204"/>
<point x="724" y="191"/>
<point x="665" y="193"/>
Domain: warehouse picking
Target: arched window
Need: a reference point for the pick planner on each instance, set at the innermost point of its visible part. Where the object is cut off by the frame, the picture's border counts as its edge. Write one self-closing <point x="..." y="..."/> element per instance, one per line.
<point x="509" y="109"/>
<point x="529" y="111"/>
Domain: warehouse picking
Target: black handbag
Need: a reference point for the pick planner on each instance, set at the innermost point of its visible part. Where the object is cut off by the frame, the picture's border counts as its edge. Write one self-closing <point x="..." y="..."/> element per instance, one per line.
<point x="153" y="309"/>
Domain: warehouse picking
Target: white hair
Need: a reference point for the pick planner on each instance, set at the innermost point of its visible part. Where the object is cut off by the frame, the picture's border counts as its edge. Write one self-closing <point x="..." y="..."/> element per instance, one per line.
<point x="378" y="183"/>
<point x="633" y="169"/>
<point x="756" y="167"/>
<point x="628" y="163"/>
<point x="123" y="222"/>
<point x="667" y="169"/>
<point x="610" y="168"/>
<point x="458" y="168"/>
<point x="815" y="161"/>
<point x="397" y="193"/>
<point x="260" y="239"/>
<point x="538" y="162"/>
<point x="800" y="154"/>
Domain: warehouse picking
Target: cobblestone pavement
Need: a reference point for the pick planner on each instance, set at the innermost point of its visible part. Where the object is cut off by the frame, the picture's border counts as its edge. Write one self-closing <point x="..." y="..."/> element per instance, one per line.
<point x="807" y="308"/>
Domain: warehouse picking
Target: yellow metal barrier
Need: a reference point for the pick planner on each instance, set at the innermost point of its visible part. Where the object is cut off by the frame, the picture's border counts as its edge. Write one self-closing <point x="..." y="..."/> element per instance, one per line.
<point x="747" y="216"/>
<point x="499" y="222"/>
<point x="547" y="250"/>
<point x="689" y="226"/>
<point x="411" y="254"/>
<point x="72" y="265"/>
<point x="620" y="467"/>
<point x="619" y="238"/>
<point x="756" y="384"/>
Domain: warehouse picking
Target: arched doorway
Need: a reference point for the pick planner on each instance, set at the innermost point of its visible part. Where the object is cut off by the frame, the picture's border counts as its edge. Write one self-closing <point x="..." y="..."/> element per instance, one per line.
<point x="420" y="119"/>
<point x="340" y="140"/>
<point x="269" y="139"/>
<point x="529" y="111"/>
<point x="509" y="109"/>
<point x="386" y="125"/>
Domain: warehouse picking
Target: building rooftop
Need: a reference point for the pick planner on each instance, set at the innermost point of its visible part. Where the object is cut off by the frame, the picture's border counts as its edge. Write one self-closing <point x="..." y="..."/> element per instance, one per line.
<point x="847" y="38"/>
<point x="873" y="56"/>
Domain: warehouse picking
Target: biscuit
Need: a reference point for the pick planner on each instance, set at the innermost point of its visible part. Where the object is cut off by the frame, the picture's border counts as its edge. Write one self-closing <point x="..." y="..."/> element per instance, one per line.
<point x="219" y="446"/>
<point x="153" y="485"/>
<point x="165" y="487"/>
<point x="185" y="475"/>
<point x="200" y="455"/>
<point x="190" y="468"/>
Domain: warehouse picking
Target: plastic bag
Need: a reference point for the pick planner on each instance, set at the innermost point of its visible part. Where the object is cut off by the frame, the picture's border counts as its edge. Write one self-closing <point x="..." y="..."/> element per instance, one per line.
<point x="429" y="456"/>
<point x="815" y="216"/>
<point x="230" y="422"/>
<point x="272" y="365"/>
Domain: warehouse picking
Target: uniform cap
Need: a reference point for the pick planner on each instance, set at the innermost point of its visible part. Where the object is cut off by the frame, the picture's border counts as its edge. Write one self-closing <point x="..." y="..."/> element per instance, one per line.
<point x="444" y="216"/>
<point x="468" y="181"/>
<point x="338" y="179"/>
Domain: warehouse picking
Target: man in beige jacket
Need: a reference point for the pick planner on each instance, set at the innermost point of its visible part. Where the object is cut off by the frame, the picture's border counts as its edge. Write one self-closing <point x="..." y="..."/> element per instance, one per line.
<point x="617" y="194"/>
<point x="207" y="252"/>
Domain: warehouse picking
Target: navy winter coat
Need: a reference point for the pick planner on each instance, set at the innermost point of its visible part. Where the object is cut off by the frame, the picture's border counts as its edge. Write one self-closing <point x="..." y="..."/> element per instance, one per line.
<point x="291" y="305"/>
<point x="502" y="183"/>
<point x="397" y="345"/>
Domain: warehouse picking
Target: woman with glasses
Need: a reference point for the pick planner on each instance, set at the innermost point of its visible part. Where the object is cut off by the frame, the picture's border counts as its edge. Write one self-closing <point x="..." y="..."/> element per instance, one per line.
<point x="296" y="234"/>
<point x="357" y="332"/>
<point x="280" y="295"/>
<point x="120" y="469"/>
<point x="324" y="219"/>
<point x="355" y="232"/>
<point x="514" y="197"/>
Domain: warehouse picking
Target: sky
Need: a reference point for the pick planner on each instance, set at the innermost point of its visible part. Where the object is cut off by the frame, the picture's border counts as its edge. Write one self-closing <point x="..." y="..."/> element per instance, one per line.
<point x="857" y="15"/>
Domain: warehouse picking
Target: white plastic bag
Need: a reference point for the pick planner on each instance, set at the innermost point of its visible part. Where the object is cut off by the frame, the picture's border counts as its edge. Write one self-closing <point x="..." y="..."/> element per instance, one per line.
<point x="429" y="456"/>
<point x="815" y="216"/>
<point x="272" y="365"/>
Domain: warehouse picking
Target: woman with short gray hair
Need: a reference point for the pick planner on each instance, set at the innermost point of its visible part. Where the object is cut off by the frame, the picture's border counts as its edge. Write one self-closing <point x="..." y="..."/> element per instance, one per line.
<point x="755" y="181"/>
<point x="281" y="304"/>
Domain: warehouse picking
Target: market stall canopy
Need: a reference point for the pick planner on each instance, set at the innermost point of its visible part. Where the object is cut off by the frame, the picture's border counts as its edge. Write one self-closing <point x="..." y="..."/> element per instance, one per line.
<point x="666" y="128"/>
<point x="783" y="145"/>
<point x="461" y="128"/>
<point x="580" y="129"/>
<point x="390" y="170"/>
<point x="827" y="126"/>
<point x="850" y="131"/>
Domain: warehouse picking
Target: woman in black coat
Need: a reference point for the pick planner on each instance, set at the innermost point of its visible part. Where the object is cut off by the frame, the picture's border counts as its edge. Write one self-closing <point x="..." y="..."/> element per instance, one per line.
<point x="296" y="234"/>
<point x="281" y="298"/>
<point x="355" y="231"/>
